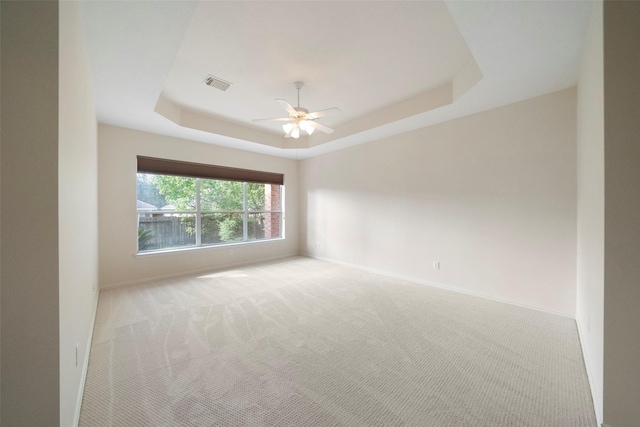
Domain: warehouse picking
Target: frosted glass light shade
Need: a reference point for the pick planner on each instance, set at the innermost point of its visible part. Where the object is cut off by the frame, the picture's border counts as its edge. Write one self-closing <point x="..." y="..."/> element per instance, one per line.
<point x="305" y="126"/>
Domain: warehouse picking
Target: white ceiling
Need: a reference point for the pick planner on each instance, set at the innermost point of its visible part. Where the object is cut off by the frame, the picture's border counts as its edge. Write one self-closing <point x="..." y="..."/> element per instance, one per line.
<point x="389" y="66"/>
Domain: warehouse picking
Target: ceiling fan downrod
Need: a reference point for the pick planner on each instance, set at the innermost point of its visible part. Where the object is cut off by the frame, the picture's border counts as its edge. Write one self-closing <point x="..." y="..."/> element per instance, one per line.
<point x="298" y="87"/>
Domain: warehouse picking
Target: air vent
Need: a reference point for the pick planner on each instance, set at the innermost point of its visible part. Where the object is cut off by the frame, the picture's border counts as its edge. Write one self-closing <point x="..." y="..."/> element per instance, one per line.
<point x="216" y="82"/>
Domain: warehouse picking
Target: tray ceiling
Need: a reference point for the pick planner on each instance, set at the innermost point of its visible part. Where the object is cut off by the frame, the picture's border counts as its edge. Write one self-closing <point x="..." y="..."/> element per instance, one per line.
<point x="390" y="67"/>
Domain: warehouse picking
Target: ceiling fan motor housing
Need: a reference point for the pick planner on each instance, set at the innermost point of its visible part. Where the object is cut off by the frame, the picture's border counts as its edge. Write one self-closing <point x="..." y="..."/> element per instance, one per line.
<point x="302" y="113"/>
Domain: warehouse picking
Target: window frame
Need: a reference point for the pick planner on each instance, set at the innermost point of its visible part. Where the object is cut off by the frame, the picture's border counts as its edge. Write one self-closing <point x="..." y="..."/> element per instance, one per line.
<point x="148" y="165"/>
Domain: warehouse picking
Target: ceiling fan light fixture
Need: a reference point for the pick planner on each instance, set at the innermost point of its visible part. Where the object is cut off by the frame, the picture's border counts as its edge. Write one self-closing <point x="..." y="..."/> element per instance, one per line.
<point x="300" y="118"/>
<point x="305" y="126"/>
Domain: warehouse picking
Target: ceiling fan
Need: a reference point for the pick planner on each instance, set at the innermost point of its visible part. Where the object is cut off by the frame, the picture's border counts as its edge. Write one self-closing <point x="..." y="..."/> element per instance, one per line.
<point x="300" y="118"/>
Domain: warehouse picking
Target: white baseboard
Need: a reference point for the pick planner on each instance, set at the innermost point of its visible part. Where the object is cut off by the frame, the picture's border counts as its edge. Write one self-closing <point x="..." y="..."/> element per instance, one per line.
<point x="446" y="287"/>
<point x="85" y="363"/>
<point x="198" y="271"/>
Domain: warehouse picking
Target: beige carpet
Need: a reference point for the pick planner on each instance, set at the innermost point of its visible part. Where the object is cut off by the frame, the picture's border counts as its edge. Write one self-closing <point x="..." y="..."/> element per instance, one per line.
<point x="300" y="342"/>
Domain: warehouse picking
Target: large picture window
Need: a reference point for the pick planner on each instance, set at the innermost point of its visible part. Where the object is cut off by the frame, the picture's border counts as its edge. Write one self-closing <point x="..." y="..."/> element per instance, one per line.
<point x="213" y="206"/>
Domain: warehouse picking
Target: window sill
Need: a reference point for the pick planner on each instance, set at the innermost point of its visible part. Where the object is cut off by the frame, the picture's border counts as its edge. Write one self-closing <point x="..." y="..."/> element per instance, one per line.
<point x="226" y="246"/>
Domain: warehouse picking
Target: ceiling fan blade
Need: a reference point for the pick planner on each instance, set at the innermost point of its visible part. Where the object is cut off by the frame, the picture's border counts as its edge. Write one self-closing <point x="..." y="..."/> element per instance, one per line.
<point x="287" y="106"/>
<point x="319" y="126"/>
<point x="322" y="113"/>
<point x="277" y="119"/>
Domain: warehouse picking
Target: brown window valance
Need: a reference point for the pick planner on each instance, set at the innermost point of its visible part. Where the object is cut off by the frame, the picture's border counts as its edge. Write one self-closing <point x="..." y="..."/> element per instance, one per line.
<point x="199" y="170"/>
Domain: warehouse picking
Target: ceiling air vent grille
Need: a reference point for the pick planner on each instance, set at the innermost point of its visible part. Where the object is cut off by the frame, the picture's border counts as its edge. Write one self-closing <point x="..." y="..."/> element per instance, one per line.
<point x="216" y="82"/>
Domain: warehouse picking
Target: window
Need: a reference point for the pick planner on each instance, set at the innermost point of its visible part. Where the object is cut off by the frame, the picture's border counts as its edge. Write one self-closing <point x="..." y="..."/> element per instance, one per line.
<point x="189" y="205"/>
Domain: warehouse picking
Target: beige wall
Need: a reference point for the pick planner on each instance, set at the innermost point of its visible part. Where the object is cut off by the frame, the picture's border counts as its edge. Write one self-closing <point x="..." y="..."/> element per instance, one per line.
<point x="78" y="211"/>
<point x="492" y="197"/>
<point x="622" y="214"/>
<point x="30" y="331"/>
<point x="117" y="150"/>
<point x="590" y="244"/>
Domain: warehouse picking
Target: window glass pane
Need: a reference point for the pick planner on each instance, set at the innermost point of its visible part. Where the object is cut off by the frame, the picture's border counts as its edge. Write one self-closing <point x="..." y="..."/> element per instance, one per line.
<point x="149" y="196"/>
<point x="210" y="232"/>
<point x="264" y="225"/>
<point x="221" y="228"/>
<point x="161" y="230"/>
<point x="255" y="196"/>
<point x="263" y="197"/>
<point x="167" y="193"/>
<point x="255" y="226"/>
<point x="218" y="195"/>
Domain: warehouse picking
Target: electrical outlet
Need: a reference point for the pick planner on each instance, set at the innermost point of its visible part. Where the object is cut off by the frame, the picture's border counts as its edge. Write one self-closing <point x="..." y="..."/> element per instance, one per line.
<point x="317" y="245"/>
<point x="230" y="252"/>
<point x="436" y="265"/>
